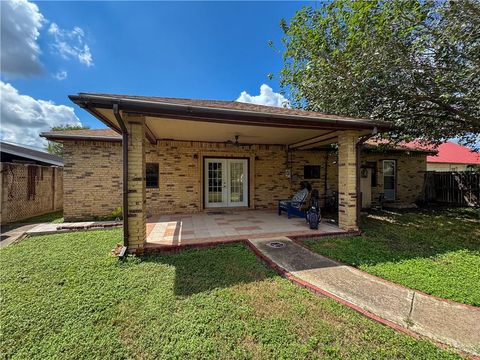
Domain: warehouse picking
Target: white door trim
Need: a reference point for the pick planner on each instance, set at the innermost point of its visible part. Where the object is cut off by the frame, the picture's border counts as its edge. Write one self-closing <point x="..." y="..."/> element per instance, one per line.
<point x="223" y="184"/>
<point x="226" y="182"/>
<point x="244" y="183"/>
<point x="390" y="194"/>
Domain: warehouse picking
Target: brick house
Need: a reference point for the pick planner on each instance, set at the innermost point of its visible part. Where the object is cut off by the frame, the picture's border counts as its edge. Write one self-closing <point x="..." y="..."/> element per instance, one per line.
<point x="31" y="182"/>
<point x="185" y="156"/>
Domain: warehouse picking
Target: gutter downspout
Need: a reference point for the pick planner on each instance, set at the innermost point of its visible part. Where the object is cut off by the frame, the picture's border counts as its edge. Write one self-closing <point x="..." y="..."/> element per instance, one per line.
<point x="123" y="127"/>
<point x="358" y="148"/>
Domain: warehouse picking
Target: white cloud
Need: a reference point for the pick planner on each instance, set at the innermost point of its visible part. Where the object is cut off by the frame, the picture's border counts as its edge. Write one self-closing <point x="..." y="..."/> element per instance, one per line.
<point x="70" y="44"/>
<point x="23" y="118"/>
<point x="60" y="75"/>
<point x="267" y="97"/>
<point x="20" y="24"/>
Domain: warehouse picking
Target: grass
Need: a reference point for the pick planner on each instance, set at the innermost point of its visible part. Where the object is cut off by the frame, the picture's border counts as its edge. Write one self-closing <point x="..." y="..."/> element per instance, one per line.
<point x="436" y="251"/>
<point x="65" y="297"/>
<point x="53" y="218"/>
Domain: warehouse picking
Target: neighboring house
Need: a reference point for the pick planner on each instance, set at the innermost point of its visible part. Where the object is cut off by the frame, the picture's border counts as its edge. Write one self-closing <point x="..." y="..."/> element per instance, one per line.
<point x="31" y="182"/>
<point x="453" y="157"/>
<point x="188" y="156"/>
<point x="20" y="154"/>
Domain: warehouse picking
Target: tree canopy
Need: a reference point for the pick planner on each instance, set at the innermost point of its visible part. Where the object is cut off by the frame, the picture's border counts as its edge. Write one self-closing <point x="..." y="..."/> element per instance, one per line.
<point x="57" y="148"/>
<point x="410" y="62"/>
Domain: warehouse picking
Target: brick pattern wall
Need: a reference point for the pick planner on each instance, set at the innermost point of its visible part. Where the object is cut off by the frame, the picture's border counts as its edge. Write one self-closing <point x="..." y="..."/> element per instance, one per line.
<point x="92" y="179"/>
<point x="411" y="170"/>
<point x="93" y="175"/>
<point x="136" y="183"/>
<point x="347" y="181"/>
<point x="29" y="190"/>
<point x="181" y="174"/>
<point x="328" y="171"/>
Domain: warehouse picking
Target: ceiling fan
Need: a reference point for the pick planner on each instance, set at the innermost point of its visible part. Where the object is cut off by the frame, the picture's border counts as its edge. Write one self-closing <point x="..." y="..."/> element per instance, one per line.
<point x="234" y="143"/>
<point x="237" y="143"/>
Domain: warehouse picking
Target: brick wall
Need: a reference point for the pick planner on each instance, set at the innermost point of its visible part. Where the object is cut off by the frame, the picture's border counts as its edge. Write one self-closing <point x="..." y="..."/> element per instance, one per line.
<point x="181" y="170"/>
<point x="136" y="216"/>
<point x="29" y="190"/>
<point x="92" y="179"/>
<point x="93" y="175"/>
<point x="411" y="168"/>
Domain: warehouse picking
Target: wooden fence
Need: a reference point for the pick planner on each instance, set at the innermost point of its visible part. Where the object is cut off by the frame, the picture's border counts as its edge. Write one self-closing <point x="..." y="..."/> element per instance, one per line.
<point x="456" y="188"/>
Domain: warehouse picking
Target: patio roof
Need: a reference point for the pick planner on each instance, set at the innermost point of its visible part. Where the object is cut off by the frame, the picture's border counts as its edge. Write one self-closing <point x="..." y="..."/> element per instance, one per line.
<point x="221" y="121"/>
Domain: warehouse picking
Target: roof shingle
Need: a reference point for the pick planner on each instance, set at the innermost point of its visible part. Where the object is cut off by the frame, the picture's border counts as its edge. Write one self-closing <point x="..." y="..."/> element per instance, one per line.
<point x="226" y="104"/>
<point x="101" y="134"/>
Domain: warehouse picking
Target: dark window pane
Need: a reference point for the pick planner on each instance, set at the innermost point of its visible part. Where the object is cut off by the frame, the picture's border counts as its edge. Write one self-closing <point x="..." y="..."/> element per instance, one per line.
<point x="311" y="172"/>
<point x="389" y="182"/>
<point x="152" y="175"/>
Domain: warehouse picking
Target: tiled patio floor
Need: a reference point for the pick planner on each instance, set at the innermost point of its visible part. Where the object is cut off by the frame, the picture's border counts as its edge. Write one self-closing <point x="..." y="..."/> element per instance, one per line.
<point x="212" y="227"/>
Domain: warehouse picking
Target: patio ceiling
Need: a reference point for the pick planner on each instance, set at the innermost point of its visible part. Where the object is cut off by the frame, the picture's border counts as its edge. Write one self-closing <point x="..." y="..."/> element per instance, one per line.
<point x="194" y="130"/>
<point x="221" y="121"/>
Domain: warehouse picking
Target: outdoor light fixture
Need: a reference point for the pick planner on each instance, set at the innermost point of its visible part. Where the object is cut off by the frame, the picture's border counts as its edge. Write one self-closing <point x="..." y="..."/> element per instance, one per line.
<point x="195" y="156"/>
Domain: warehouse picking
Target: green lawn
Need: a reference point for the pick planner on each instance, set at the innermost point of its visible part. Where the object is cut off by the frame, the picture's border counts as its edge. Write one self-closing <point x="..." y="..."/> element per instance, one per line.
<point x="64" y="296"/>
<point x="54" y="218"/>
<point x="434" y="250"/>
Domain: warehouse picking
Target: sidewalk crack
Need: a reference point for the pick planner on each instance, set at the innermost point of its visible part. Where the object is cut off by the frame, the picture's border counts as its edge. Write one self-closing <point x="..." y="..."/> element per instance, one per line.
<point x="409" y="321"/>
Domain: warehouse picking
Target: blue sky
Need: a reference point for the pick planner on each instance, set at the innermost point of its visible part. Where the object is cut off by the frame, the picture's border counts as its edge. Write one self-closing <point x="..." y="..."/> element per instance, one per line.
<point x="211" y="50"/>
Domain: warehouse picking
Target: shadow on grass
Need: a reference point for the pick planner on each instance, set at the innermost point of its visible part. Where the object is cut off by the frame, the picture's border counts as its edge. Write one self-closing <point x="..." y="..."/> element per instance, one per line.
<point x="205" y="270"/>
<point x="53" y="217"/>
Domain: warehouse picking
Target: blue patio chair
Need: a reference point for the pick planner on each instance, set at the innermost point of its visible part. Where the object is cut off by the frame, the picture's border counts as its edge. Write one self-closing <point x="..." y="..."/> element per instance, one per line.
<point x="297" y="206"/>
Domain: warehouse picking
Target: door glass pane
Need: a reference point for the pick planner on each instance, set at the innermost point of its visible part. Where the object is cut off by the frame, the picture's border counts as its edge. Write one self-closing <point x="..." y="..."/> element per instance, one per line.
<point x="389" y="183"/>
<point x="389" y="175"/>
<point x="236" y="182"/>
<point x="215" y="181"/>
<point x="388" y="168"/>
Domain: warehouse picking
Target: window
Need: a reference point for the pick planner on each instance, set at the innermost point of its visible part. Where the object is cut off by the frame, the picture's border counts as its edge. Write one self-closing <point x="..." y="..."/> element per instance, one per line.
<point x="311" y="172"/>
<point x="152" y="175"/>
<point x="389" y="179"/>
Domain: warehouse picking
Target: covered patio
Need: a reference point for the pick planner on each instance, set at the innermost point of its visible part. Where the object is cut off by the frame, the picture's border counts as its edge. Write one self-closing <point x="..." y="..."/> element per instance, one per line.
<point x="252" y="145"/>
<point x="211" y="227"/>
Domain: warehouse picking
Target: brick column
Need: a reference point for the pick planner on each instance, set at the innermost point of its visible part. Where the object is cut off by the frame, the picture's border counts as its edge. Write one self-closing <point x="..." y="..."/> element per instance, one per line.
<point x="137" y="230"/>
<point x="347" y="180"/>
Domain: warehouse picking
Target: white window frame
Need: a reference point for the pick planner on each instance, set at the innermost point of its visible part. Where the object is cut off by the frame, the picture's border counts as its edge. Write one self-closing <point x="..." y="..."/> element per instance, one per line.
<point x="390" y="194"/>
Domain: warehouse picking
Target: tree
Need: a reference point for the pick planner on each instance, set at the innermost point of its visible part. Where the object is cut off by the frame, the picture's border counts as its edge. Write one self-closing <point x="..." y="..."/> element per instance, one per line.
<point x="56" y="148"/>
<point x="414" y="63"/>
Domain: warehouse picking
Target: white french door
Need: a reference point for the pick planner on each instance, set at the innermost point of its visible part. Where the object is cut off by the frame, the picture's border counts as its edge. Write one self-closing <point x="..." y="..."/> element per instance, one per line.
<point x="226" y="182"/>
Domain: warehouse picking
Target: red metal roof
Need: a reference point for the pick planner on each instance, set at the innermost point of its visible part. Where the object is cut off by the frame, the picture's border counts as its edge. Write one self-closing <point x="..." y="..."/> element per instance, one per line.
<point x="453" y="153"/>
<point x="448" y="152"/>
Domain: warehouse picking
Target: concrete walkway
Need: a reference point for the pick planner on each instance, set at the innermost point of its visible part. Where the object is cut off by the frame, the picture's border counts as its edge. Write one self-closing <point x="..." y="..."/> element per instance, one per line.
<point x="407" y="310"/>
<point x="48" y="228"/>
<point x="13" y="232"/>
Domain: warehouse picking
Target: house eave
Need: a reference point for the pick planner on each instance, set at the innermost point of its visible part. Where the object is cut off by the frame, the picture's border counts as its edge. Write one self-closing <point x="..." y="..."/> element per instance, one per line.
<point x="204" y="113"/>
<point x="47" y="159"/>
<point x="69" y="137"/>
